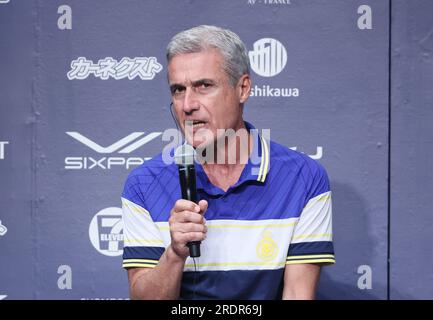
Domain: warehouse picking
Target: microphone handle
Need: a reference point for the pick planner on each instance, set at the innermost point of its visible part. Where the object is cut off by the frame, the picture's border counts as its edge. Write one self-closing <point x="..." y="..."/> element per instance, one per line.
<point x="187" y="183"/>
<point x="189" y="192"/>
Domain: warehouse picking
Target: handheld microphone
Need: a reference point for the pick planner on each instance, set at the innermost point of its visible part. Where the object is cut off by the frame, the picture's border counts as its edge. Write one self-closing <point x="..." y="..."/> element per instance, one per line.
<point x="184" y="157"/>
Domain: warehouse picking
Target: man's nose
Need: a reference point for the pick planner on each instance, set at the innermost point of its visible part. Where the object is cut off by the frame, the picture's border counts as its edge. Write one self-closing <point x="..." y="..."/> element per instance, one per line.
<point x="190" y="102"/>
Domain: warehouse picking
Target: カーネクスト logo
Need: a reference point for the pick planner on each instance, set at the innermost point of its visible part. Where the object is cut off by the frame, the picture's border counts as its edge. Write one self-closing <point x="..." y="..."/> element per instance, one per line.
<point x="145" y="68"/>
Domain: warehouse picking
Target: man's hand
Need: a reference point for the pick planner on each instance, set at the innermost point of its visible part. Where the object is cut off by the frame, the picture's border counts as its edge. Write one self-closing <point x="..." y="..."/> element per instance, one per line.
<point x="163" y="281"/>
<point x="187" y="224"/>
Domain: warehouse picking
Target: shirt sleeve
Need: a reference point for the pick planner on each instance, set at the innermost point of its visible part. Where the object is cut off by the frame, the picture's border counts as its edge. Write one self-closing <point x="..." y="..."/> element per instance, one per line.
<point x="312" y="237"/>
<point x="143" y="242"/>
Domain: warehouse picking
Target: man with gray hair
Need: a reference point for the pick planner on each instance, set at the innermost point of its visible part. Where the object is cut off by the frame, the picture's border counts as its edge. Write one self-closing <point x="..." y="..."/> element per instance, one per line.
<point x="265" y="226"/>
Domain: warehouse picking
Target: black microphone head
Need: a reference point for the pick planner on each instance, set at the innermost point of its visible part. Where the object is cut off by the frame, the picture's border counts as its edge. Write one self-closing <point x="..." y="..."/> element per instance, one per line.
<point x="184" y="155"/>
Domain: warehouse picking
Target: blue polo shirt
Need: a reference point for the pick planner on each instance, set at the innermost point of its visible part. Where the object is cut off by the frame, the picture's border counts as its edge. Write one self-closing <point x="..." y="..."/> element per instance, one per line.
<point x="278" y="213"/>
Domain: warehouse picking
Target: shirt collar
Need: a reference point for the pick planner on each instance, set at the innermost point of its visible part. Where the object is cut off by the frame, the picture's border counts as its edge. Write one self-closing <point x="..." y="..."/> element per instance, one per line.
<point x="255" y="170"/>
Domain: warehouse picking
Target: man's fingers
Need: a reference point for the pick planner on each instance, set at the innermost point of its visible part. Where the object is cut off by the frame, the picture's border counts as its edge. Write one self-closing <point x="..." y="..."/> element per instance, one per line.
<point x="188" y="216"/>
<point x="186" y="205"/>
<point x="190" y="227"/>
<point x="191" y="236"/>
<point x="203" y="206"/>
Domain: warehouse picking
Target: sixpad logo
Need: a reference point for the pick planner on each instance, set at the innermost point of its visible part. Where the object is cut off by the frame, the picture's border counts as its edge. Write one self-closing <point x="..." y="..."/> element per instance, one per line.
<point x="106" y="232"/>
<point x="268" y="58"/>
<point x="122" y="147"/>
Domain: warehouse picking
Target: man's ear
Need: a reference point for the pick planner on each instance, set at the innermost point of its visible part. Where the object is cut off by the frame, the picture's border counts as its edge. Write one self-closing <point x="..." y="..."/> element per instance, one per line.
<point x="244" y="88"/>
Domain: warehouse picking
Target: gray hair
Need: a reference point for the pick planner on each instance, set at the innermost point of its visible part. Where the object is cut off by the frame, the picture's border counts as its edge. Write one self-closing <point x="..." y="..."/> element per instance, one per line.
<point x="236" y="62"/>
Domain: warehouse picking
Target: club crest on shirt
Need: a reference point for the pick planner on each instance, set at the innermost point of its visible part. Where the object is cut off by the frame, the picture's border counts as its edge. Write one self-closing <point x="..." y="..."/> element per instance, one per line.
<point x="267" y="249"/>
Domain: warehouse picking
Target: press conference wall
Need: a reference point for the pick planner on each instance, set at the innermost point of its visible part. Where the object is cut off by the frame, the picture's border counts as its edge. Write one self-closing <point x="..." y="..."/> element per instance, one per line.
<point x="84" y="99"/>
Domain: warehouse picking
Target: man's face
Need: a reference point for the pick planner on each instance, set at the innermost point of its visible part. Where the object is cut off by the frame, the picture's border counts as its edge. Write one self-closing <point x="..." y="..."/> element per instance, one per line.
<point x="203" y="96"/>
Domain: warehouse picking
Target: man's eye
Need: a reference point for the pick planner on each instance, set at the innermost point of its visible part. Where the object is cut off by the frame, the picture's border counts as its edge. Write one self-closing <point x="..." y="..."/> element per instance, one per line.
<point x="205" y="85"/>
<point x="177" y="90"/>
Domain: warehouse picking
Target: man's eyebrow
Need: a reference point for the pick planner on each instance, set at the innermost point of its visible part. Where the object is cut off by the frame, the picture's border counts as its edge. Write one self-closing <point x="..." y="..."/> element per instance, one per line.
<point x="195" y="83"/>
<point x="202" y="81"/>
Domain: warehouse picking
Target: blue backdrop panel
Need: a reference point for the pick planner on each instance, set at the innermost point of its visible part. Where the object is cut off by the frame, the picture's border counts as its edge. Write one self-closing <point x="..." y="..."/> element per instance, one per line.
<point x="17" y="124"/>
<point x="412" y="151"/>
<point x="84" y="100"/>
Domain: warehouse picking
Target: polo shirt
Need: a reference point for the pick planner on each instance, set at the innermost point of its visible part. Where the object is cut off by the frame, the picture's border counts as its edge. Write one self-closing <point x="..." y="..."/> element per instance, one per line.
<point x="278" y="213"/>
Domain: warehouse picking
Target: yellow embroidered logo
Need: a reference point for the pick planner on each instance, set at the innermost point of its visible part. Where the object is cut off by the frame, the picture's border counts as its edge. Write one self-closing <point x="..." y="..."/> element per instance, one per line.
<point x="267" y="249"/>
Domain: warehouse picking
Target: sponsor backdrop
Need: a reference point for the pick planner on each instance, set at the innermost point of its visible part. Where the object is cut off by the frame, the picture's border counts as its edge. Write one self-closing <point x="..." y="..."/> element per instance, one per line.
<point x="84" y="99"/>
